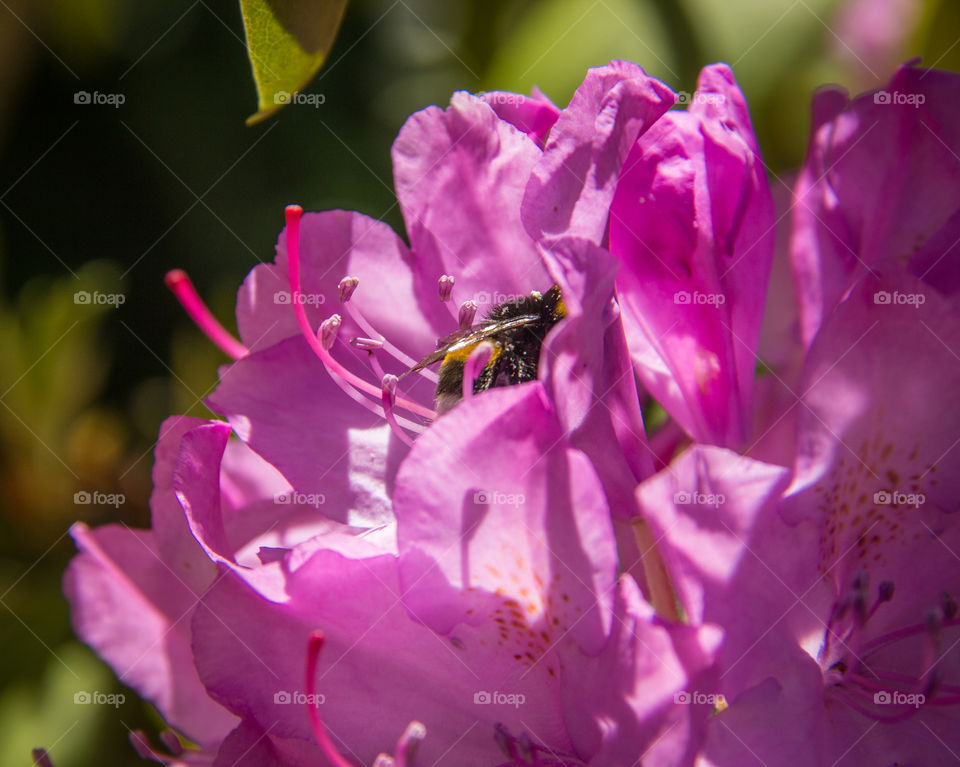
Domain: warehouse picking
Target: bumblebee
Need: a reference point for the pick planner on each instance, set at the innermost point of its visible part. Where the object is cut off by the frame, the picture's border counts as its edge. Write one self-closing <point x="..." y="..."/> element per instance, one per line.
<point x="516" y="330"/>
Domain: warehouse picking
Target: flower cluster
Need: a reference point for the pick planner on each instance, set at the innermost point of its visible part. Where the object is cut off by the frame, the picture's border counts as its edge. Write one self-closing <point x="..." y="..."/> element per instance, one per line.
<point x="341" y="572"/>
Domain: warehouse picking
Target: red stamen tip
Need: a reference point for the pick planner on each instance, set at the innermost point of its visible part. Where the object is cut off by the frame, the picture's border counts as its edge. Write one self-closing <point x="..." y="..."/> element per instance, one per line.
<point x="182" y="288"/>
<point x="175" y="276"/>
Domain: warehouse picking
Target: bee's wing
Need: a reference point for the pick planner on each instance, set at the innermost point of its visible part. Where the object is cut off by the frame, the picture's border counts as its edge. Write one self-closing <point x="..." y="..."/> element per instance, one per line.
<point x="472" y="335"/>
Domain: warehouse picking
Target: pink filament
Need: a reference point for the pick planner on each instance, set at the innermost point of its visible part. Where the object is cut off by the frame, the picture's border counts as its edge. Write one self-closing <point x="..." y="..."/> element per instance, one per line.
<point x="181" y="287"/>
<point x="293" y="214"/>
<point x="387" y="346"/>
<point x="388" y="395"/>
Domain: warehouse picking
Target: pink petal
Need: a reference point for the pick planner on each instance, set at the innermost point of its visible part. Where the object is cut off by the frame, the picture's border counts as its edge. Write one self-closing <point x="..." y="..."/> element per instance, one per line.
<point x="692" y="223"/>
<point x="329" y="448"/>
<point x="378" y="670"/>
<point x="130" y="607"/>
<point x="572" y="186"/>
<point x="646" y="664"/>
<point x="592" y="383"/>
<point x="397" y="292"/>
<point x="460" y="175"/>
<point x="856" y="203"/>
<point x="497" y="516"/>
<point x="534" y="115"/>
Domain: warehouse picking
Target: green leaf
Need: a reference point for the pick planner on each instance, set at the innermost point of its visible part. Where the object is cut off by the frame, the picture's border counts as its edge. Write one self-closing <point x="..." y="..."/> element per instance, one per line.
<point x="288" y="41"/>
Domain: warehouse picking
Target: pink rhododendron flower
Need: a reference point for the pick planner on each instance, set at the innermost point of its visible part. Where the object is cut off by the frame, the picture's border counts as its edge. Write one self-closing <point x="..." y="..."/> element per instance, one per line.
<point x="870" y="36"/>
<point x="692" y="226"/>
<point x="684" y="204"/>
<point x="835" y="580"/>
<point x="341" y="572"/>
<point x="461" y="175"/>
<point x="316" y="514"/>
<point x="878" y="190"/>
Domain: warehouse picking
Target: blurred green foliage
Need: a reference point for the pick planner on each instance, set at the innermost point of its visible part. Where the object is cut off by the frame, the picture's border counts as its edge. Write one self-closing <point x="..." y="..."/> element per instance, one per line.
<point x="106" y="199"/>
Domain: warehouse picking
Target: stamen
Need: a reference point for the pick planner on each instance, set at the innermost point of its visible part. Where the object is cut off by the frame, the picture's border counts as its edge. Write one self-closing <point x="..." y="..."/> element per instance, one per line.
<point x="379" y="372"/>
<point x="409" y="742"/>
<point x="474" y="365"/>
<point x="181" y="287"/>
<point x="346" y="287"/>
<point x="934" y="682"/>
<point x="869" y="713"/>
<point x="334" y="368"/>
<point x="388" y="347"/>
<point x="388" y="397"/>
<point x="529" y="750"/>
<point x="836" y="616"/>
<point x="885" y="640"/>
<point x="934" y="637"/>
<point x="328" y="336"/>
<point x="142" y="746"/>
<point x="468" y="310"/>
<point x="172" y="742"/>
<point x="41" y="758"/>
<point x="314" y="646"/>
<point x="406" y="747"/>
<point x="366" y="344"/>
<point x="445" y="287"/>
<point x="934" y="619"/>
<point x="948" y="604"/>
<point x="376" y="367"/>
<point x="885" y="591"/>
<point x="884" y="594"/>
<point x="503" y="739"/>
<point x="861" y="581"/>
<point x="329" y="329"/>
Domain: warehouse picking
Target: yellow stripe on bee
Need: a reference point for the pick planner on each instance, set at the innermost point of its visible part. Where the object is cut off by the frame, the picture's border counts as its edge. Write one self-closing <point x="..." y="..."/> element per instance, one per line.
<point x="561" y="309"/>
<point x="461" y="355"/>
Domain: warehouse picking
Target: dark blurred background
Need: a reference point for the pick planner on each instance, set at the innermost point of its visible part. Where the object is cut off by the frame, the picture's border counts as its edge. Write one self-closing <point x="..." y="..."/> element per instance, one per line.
<point x="106" y="198"/>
